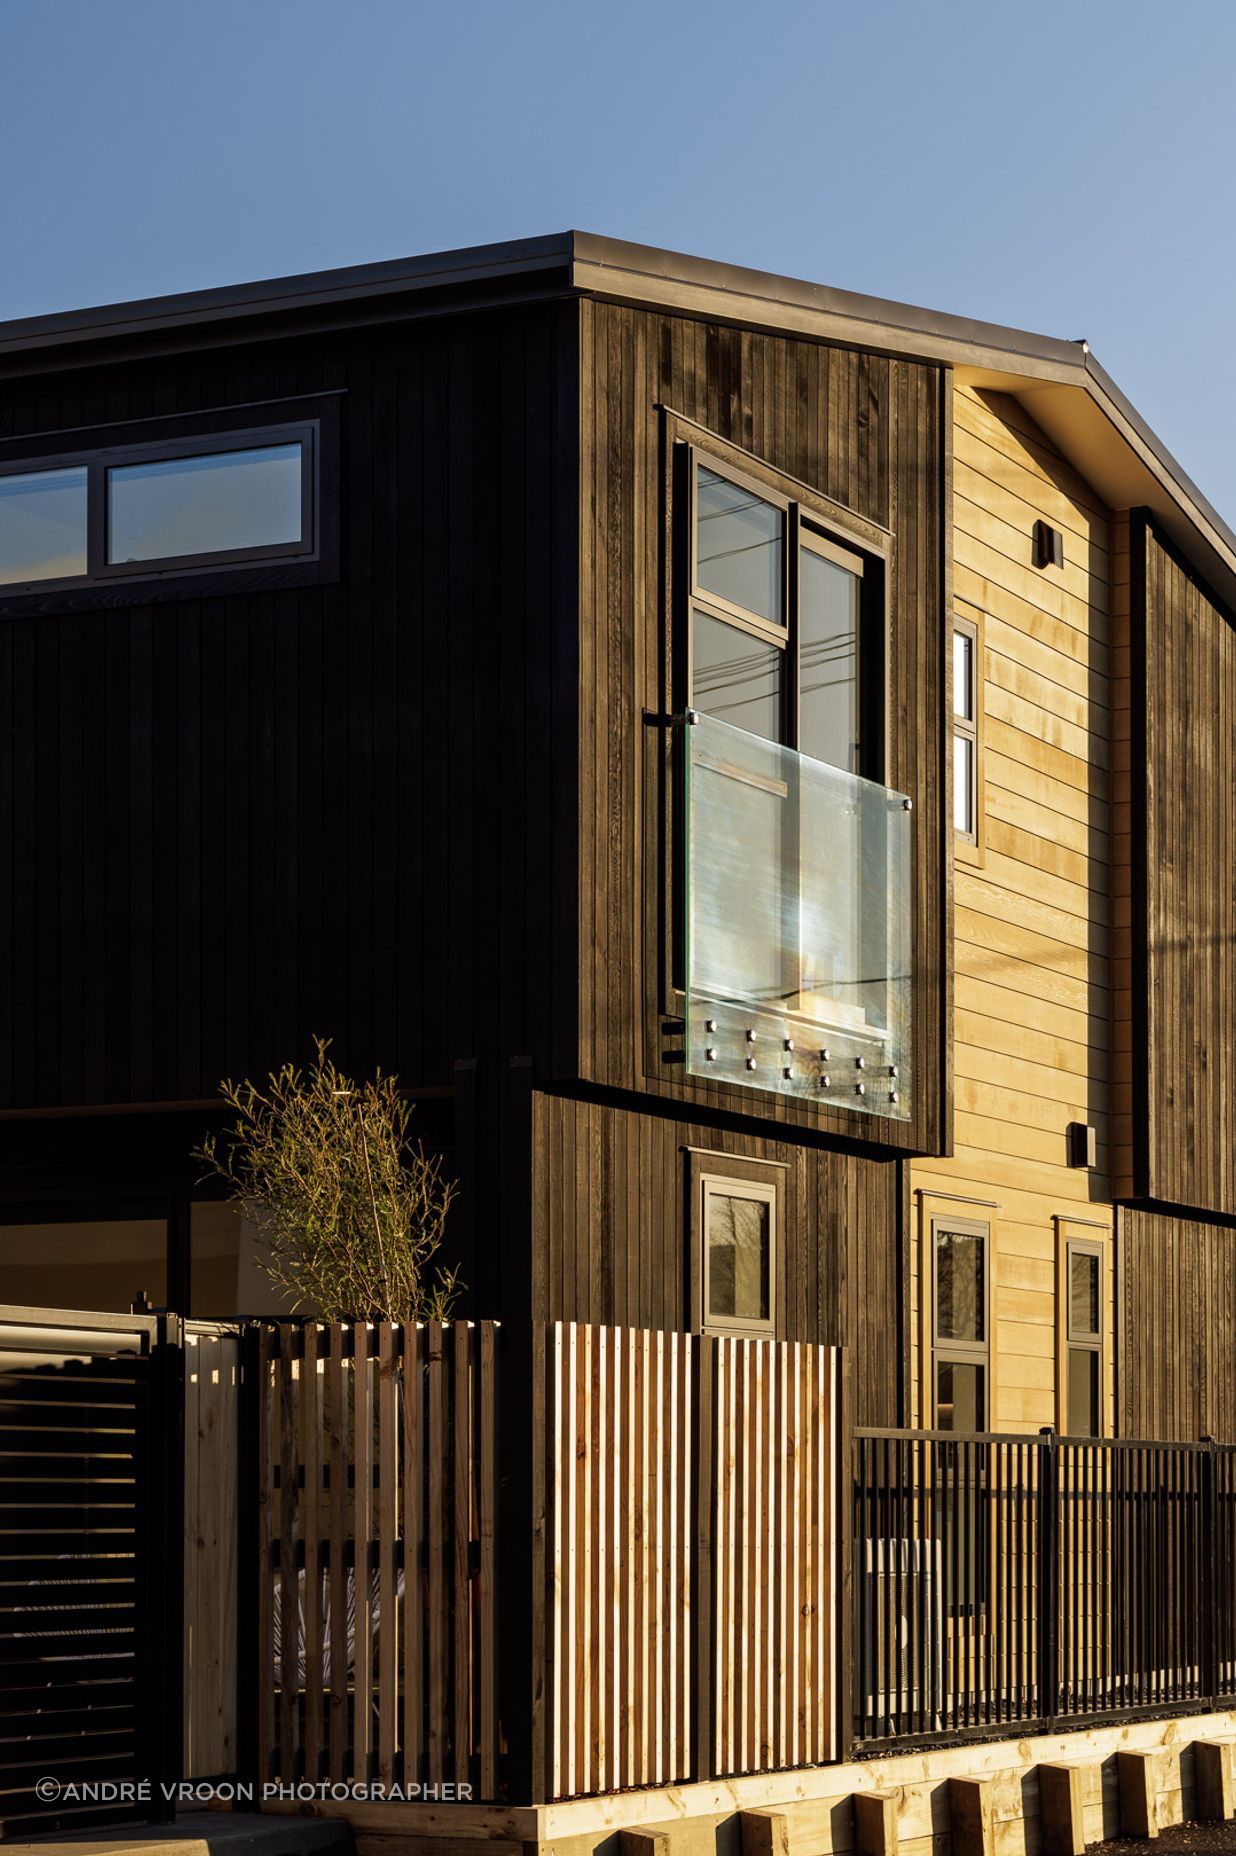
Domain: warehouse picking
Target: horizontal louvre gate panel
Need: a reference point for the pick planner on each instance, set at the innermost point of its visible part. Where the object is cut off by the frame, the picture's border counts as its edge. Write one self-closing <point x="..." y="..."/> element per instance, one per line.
<point x="73" y="1621"/>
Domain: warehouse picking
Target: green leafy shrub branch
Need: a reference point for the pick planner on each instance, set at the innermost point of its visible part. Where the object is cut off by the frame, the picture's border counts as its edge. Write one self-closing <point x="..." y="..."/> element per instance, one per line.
<point x="351" y="1212"/>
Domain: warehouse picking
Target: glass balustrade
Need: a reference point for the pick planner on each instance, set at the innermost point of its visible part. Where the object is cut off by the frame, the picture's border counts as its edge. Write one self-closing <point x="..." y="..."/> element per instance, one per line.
<point x="798" y="924"/>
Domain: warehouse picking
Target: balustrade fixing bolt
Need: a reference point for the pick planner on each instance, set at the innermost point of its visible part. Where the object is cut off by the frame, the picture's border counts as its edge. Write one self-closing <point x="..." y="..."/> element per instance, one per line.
<point x="751" y="1063"/>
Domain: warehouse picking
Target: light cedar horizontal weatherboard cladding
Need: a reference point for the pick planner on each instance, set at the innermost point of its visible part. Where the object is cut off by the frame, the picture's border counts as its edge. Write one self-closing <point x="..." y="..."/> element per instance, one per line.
<point x="1032" y="918"/>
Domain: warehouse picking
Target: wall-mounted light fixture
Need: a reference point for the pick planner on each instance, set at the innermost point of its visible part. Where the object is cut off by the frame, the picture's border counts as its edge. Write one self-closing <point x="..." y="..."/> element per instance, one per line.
<point x="1082" y="1143"/>
<point x="1048" y="545"/>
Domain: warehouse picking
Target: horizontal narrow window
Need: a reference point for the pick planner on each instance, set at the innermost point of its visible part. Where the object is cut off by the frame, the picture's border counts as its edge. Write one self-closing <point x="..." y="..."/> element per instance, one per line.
<point x="147" y="510"/>
<point x="42" y="525"/>
<point x="214" y="504"/>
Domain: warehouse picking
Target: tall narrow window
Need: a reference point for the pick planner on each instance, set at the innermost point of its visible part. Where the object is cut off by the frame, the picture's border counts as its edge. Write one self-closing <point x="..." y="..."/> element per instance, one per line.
<point x="961" y="1344"/>
<point x="775" y="652"/>
<point x="965" y="729"/>
<point x="1084" y="1339"/>
<point x="829" y="616"/>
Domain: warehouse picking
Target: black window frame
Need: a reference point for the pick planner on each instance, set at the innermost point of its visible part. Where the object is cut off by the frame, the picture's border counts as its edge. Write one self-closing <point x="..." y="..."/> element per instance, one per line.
<point x="312" y="422"/>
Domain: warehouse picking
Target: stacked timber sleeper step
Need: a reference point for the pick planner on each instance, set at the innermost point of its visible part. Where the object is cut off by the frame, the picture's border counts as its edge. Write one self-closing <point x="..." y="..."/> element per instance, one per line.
<point x="1054" y="1794"/>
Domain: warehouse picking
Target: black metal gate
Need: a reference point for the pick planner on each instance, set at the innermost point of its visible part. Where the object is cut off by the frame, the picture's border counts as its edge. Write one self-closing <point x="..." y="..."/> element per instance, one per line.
<point x="85" y="1541"/>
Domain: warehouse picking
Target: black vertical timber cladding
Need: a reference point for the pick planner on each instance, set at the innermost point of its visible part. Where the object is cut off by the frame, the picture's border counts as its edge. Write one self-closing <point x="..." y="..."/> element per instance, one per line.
<point x="869" y="433"/>
<point x="610" y="1232"/>
<point x="233" y="822"/>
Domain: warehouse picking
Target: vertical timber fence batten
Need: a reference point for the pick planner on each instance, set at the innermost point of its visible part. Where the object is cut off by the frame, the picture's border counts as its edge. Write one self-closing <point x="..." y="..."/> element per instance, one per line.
<point x="694" y="1557"/>
<point x="690" y="1511"/>
<point x="377" y="1604"/>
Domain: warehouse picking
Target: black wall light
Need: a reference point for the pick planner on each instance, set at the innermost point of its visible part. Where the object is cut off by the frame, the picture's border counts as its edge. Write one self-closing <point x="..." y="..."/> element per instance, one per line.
<point x="1048" y="545"/>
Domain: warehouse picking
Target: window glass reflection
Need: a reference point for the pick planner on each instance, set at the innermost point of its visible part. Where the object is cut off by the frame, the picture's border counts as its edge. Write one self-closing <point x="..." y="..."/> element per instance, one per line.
<point x="828" y="620"/>
<point x="736" y="677"/>
<point x="1083" y="1412"/>
<point x="963" y="676"/>
<point x="963" y="784"/>
<point x="960" y="1396"/>
<point x="960" y="1289"/>
<point x="738" y="546"/>
<point x="225" y="500"/>
<point x="42" y="525"/>
<point x="737" y="1257"/>
<point x="1084" y="1290"/>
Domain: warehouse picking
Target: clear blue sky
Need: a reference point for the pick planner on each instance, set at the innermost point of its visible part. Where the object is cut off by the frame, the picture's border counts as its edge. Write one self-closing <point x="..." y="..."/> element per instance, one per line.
<point x="1067" y="168"/>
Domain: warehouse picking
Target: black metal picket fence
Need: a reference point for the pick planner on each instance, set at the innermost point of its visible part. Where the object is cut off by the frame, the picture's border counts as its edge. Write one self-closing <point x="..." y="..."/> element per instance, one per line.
<point x="1031" y="1581"/>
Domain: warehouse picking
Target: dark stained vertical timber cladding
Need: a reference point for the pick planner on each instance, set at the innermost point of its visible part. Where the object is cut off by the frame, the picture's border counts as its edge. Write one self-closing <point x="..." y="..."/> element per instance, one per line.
<point x="1184" y="903"/>
<point x="234" y="821"/>
<point x="1177" y="1335"/>
<point x="868" y="433"/>
<point x="615" y="1245"/>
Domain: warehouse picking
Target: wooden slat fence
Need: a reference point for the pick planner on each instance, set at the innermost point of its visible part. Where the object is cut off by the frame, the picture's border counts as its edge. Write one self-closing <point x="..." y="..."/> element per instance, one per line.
<point x="377" y="1487"/>
<point x="773" y="1582"/>
<point x="622" y="1523"/>
<point x="692" y="1528"/>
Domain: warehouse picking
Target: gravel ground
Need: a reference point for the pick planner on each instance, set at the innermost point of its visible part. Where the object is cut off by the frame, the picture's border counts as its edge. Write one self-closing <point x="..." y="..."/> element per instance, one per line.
<point x="1200" y="1838"/>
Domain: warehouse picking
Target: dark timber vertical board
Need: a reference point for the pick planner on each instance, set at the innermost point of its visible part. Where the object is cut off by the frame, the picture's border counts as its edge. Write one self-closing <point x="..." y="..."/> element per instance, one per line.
<point x="231" y="822"/>
<point x="1177" y="1327"/>
<point x="867" y="432"/>
<point x="618" y="1254"/>
<point x="1184" y="892"/>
